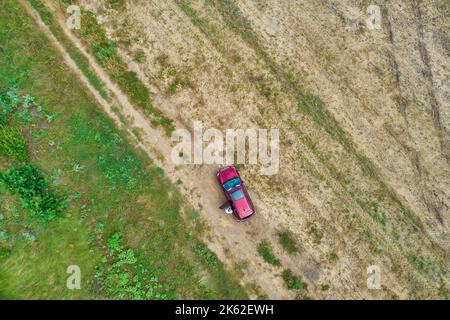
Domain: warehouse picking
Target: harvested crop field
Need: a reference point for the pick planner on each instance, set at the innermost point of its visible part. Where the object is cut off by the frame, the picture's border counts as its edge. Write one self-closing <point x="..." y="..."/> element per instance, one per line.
<point x="363" y="116"/>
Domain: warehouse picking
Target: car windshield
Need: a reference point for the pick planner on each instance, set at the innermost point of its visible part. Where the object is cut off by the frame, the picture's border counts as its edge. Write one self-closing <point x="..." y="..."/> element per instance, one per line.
<point x="238" y="195"/>
<point x="233" y="183"/>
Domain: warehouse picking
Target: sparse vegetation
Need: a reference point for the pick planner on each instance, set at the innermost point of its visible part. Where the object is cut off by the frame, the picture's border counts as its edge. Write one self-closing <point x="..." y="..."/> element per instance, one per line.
<point x="373" y="209"/>
<point x="115" y="4"/>
<point x="419" y="263"/>
<point x="443" y="292"/>
<point x="324" y="287"/>
<point x="287" y="241"/>
<point x="314" y="232"/>
<point x="224" y="282"/>
<point x="293" y="282"/>
<point x="81" y="61"/>
<point x="106" y="52"/>
<point x="315" y="109"/>
<point x="265" y="251"/>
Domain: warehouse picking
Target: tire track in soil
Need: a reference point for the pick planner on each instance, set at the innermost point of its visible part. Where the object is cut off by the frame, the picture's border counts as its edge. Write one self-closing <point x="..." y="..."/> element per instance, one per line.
<point x="428" y="75"/>
<point x="431" y="200"/>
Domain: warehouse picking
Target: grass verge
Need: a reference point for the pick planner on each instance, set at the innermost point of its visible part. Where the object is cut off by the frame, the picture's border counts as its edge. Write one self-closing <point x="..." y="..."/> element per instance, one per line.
<point x="110" y="188"/>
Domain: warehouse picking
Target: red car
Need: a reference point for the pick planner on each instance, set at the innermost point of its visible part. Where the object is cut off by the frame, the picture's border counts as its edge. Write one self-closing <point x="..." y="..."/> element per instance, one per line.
<point x="239" y="200"/>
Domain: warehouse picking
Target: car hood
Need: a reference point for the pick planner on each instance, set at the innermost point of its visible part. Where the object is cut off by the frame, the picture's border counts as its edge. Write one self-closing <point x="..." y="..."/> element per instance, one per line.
<point x="227" y="174"/>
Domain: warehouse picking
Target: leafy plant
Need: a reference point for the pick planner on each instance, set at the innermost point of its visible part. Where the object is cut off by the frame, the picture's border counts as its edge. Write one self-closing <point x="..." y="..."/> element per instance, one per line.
<point x="28" y="182"/>
<point x="123" y="276"/>
<point x="11" y="101"/>
<point x="293" y="282"/>
<point x="104" y="50"/>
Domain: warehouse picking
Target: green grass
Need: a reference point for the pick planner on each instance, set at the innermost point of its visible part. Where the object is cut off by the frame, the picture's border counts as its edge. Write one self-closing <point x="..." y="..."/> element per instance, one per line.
<point x="46" y="15"/>
<point x="110" y="188"/>
<point x="12" y="143"/>
<point x="203" y="24"/>
<point x="287" y="241"/>
<point x="215" y="267"/>
<point x="420" y="263"/>
<point x="374" y="211"/>
<point x="81" y="61"/>
<point x="265" y="251"/>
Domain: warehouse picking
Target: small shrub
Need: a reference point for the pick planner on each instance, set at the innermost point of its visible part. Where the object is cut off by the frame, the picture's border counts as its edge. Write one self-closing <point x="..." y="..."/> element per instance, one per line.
<point x="265" y="251"/>
<point x="36" y="196"/>
<point x="236" y="59"/>
<point x="293" y="282"/>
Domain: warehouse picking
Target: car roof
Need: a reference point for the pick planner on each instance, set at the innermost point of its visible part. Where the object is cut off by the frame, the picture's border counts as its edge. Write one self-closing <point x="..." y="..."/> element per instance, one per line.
<point x="242" y="206"/>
